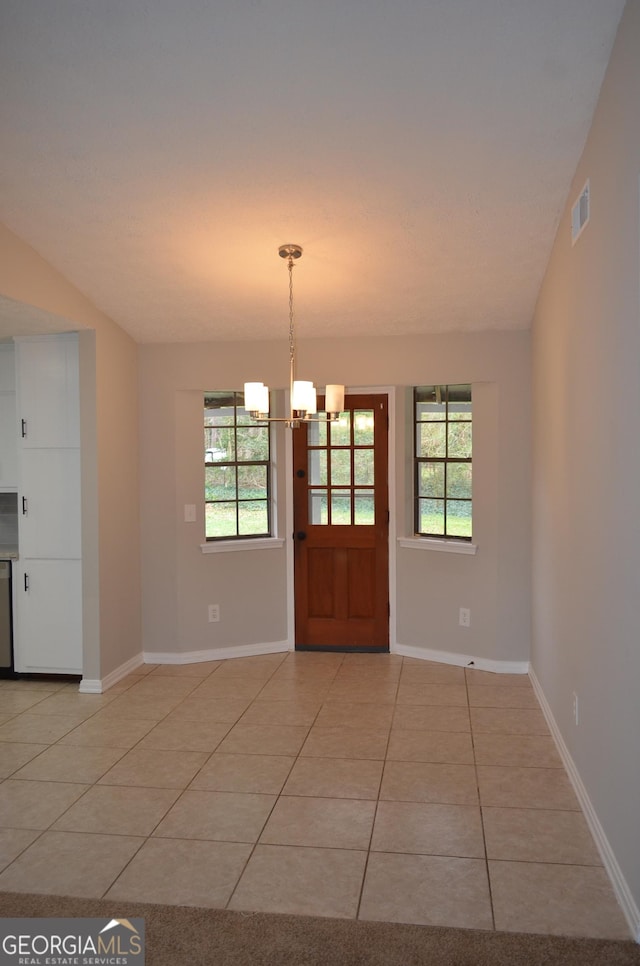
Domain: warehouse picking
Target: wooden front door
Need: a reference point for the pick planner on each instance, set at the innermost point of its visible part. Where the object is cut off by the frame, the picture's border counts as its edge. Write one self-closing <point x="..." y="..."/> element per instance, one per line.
<point x="341" y="513"/>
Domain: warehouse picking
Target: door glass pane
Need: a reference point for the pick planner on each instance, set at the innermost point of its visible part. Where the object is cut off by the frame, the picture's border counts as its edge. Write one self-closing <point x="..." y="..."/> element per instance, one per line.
<point x="318" y="513"/>
<point x="252" y="482"/>
<point x="431" y="479"/>
<point x="363" y="427"/>
<point x="431" y="439"/>
<point x="253" y="517"/>
<point x="318" y="467"/>
<point x="363" y="508"/>
<point x="340" y="467"/>
<point x="363" y="467"/>
<point x="431" y="516"/>
<point x="341" y="507"/>
<point x="220" y="520"/>
<point x="431" y="402"/>
<point x="458" y="481"/>
<point x="317" y="434"/>
<point x="459" y="518"/>
<point x="341" y="430"/>
<point x="460" y="440"/>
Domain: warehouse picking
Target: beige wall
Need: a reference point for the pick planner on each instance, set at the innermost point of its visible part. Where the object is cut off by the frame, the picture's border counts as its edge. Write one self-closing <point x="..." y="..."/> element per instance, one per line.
<point x="586" y="459"/>
<point x="34" y="297"/>
<point x="251" y="586"/>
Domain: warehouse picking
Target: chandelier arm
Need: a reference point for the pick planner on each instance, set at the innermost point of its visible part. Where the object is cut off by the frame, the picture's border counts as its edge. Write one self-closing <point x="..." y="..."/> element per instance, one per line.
<point x="296" y="421"/>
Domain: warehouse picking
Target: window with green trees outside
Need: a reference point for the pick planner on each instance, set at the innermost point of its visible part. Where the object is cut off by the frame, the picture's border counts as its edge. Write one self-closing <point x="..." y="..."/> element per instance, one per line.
<point x="443" y="461"/>
<point x="237" y="469"/>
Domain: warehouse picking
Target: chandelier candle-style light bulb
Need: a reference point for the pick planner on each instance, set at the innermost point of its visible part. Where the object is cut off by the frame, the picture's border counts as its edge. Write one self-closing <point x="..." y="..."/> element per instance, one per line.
<point x="334" y="399"/>
<point x="256" y="398"/>
<point x="302" y="397"/>
<point x="302" y="393"/>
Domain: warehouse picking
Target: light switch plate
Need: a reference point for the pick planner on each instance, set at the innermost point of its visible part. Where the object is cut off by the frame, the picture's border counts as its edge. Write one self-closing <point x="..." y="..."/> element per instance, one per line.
<point x="189" y="513"/>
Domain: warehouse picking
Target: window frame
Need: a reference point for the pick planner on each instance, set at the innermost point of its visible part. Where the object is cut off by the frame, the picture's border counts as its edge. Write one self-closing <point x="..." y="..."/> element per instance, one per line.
<point x="237" y="404"/>
<point x="445" y="461"/>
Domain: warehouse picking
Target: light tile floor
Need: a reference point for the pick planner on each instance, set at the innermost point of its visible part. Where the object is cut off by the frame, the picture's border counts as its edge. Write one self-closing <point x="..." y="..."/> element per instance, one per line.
<point x="349" y="785"/>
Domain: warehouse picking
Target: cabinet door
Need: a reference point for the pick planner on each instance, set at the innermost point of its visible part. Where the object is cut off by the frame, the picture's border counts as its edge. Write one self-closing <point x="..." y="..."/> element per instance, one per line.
<point x="8" y="442"/>
<point x="49" y="503"/>
<point x="47" y="372"/>
<point x="48" y="633"/>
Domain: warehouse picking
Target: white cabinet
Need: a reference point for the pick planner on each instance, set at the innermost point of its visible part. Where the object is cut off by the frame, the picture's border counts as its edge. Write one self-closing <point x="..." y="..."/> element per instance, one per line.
<point x="47" y="383"/>
<point x="48" y="632"/>
<point x="49" y="625"/>
<point x="49" y="503"/>
<point x="8" y="439"/>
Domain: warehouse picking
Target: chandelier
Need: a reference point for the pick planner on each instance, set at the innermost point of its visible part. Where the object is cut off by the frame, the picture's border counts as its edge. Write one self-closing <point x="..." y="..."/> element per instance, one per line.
<point x="303" y="405"/>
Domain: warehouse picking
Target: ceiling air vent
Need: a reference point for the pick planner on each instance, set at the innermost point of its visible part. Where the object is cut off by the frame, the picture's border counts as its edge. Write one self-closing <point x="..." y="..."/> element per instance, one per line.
<point x="580" y="214"/>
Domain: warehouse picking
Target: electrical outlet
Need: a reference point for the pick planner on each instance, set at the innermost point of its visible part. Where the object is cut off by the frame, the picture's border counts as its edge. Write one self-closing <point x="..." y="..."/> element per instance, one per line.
<point x="214" y="613"/>
<point x="465" y="617"/>
<point x="575" y="708"/>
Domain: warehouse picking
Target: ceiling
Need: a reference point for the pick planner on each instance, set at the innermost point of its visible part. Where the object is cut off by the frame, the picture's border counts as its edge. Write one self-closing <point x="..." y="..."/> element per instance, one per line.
<point x="157" y="153"/>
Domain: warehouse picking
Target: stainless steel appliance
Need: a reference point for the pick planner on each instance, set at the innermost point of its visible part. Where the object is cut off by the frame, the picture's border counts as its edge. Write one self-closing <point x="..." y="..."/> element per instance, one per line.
<point x="6" y="640"/>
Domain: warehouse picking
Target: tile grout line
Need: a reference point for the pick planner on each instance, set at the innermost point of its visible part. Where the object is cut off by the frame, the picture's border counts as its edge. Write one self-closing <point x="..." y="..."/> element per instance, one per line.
<point x="375" y="811"/>
<point x="484" y="835"/>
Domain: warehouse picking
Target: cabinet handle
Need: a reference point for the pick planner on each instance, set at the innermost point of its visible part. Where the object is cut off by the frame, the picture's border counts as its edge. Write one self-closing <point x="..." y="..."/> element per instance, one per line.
<point x="25" y="504"/>
<point x="26" y="582"/>
<point x="24" y="427"/>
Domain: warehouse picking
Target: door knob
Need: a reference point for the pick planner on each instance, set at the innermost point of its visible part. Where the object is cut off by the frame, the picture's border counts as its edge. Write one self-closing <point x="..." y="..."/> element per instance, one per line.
<point x="301" y="535"/>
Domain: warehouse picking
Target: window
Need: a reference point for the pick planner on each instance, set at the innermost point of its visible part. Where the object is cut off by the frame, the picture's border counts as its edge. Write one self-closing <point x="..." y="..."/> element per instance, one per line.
<point x="237" y="465"/>
<point x="443" y="461"/>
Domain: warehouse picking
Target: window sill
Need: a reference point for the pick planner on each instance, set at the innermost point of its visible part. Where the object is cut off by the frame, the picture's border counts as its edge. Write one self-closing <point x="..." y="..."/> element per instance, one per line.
<point x="442" y="546"/>
<point x="229" y="546"/>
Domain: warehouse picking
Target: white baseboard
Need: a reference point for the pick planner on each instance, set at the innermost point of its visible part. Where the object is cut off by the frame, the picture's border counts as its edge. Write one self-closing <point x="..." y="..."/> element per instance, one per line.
<point x="462" y="660"/>
<point x="609" y="861"/>
<point x="97" y="686"/>
<point x="215" y="654"/>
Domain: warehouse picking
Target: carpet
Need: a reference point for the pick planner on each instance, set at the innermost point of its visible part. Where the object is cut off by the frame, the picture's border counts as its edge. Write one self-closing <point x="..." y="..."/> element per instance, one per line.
<point x="188" y="936"/>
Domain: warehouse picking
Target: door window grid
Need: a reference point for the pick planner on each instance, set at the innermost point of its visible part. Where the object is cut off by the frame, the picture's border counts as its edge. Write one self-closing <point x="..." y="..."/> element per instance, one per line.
<point x="443" y="461"/>
<point x="341" y="470"/>
<point x="237" y="456"/>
